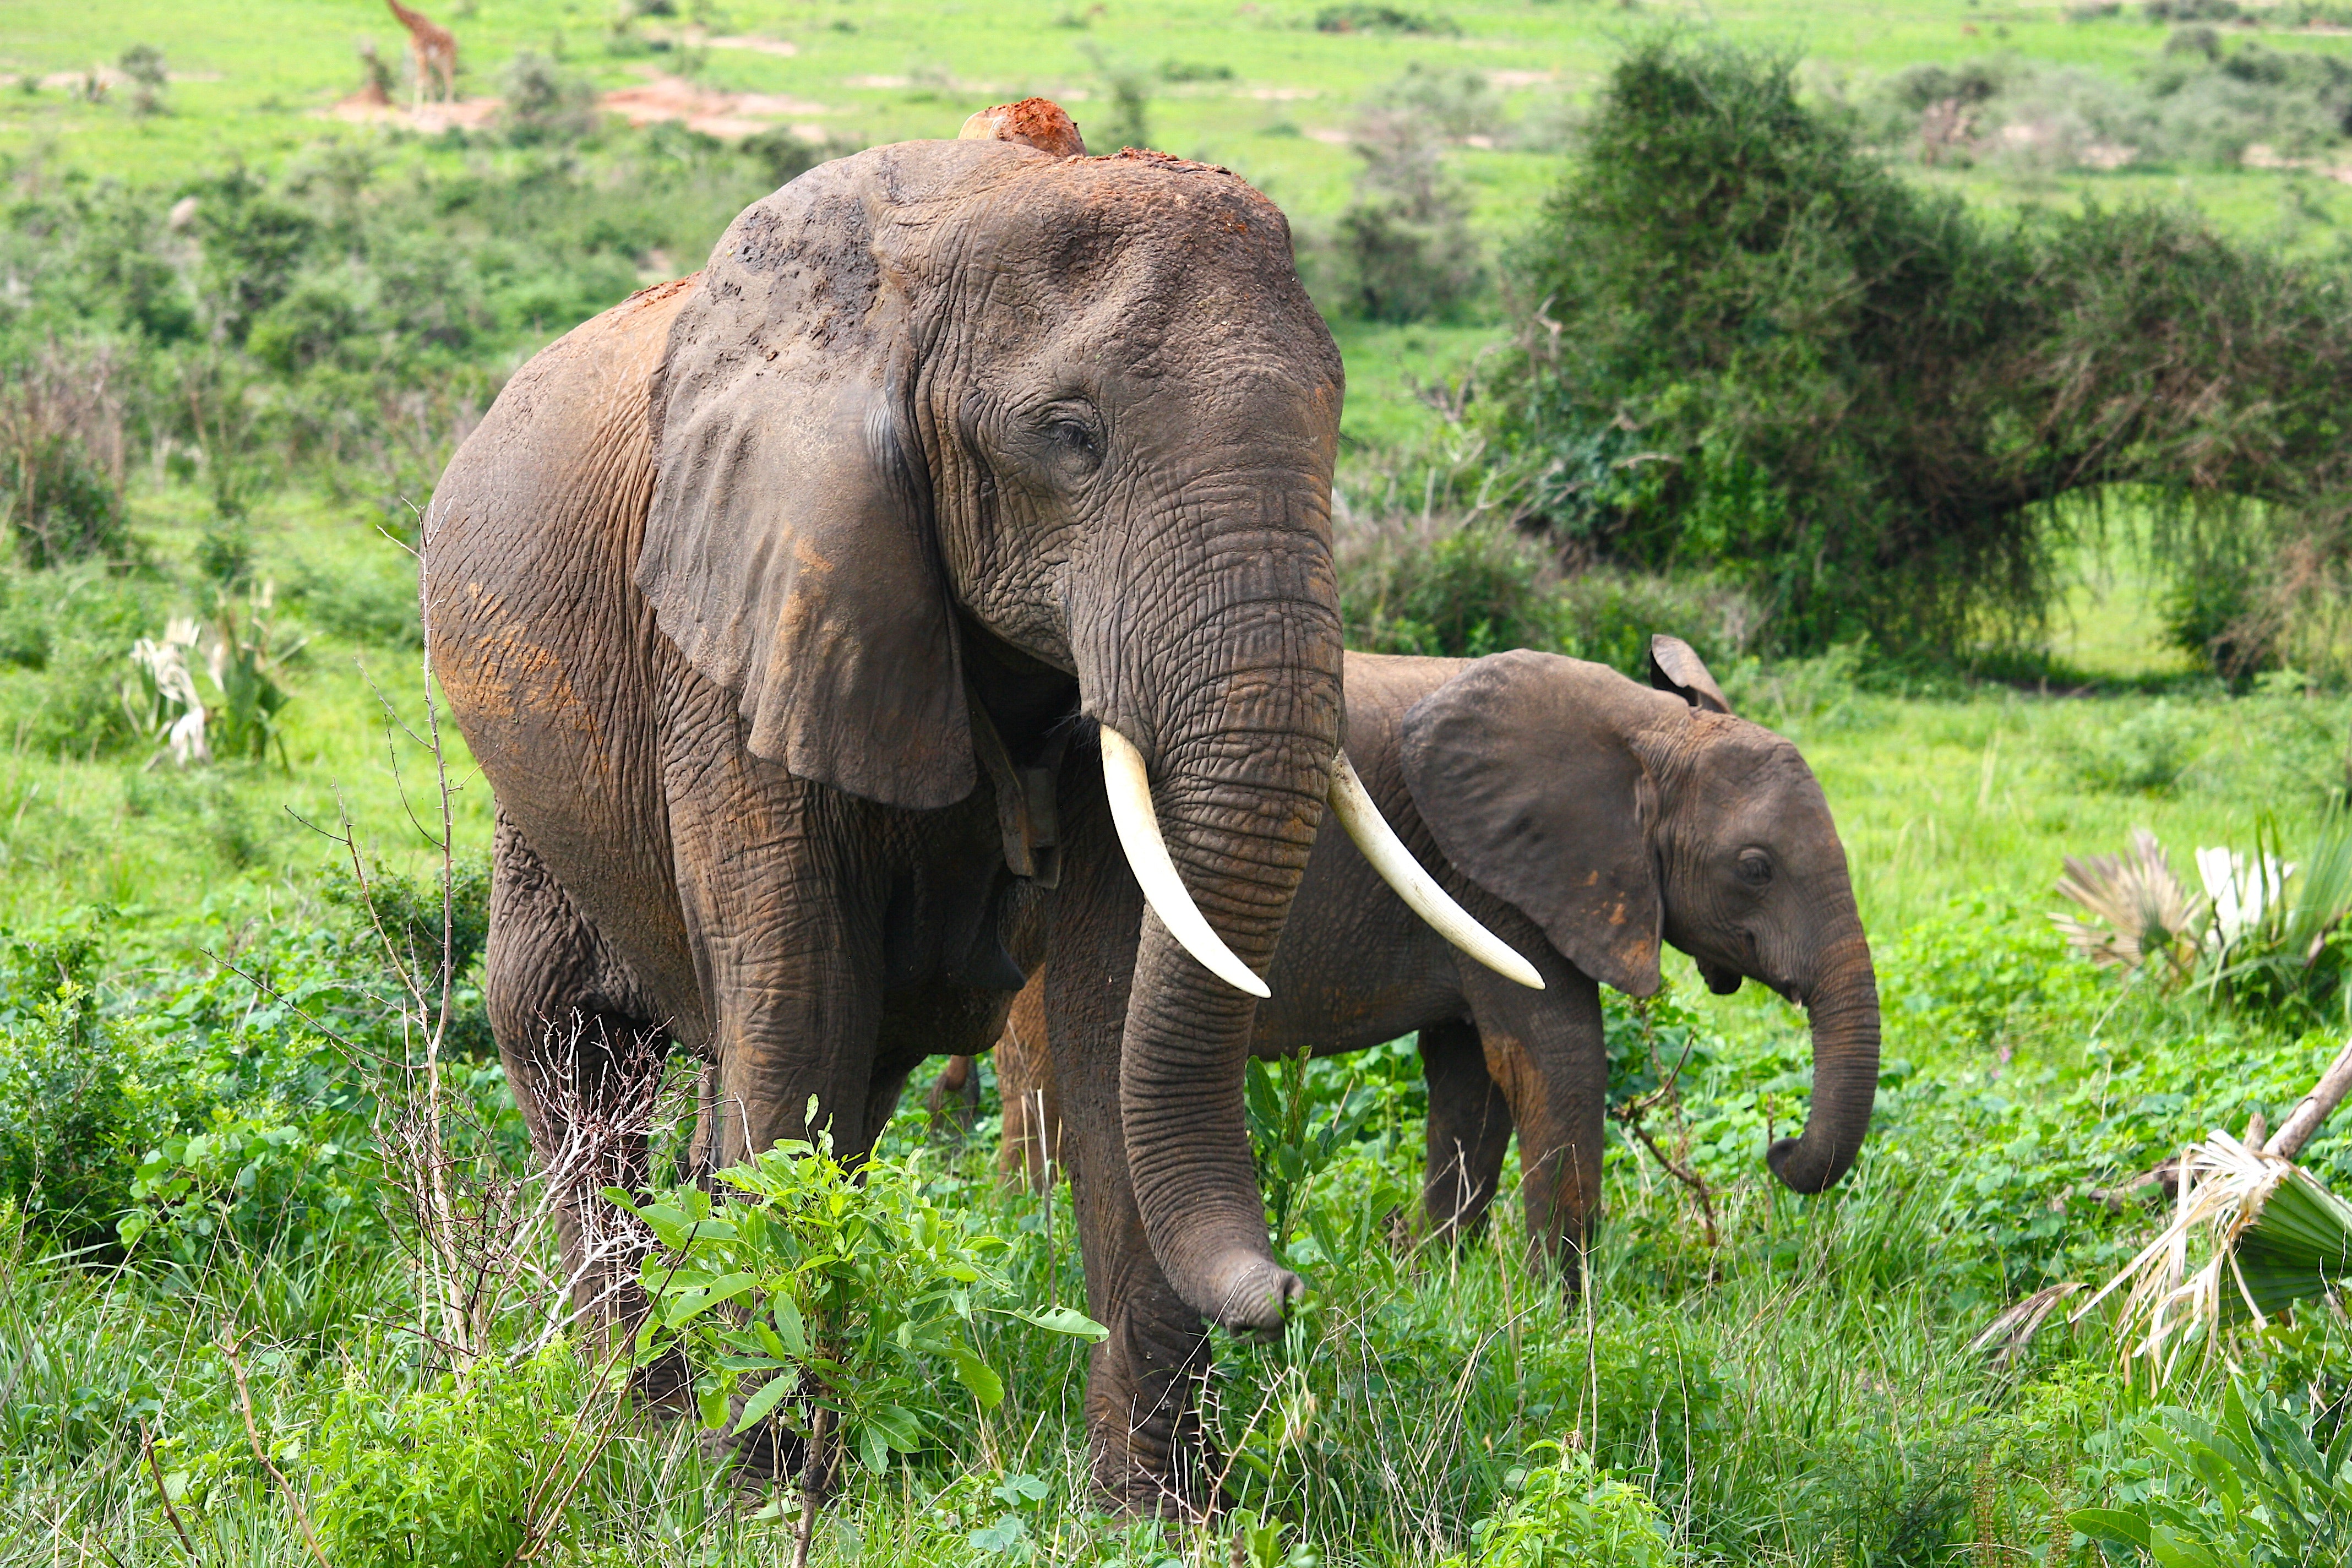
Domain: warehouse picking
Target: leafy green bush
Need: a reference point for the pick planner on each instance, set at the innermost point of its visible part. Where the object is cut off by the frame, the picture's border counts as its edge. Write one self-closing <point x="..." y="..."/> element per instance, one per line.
<point x="1358" y="17"/>
<point x="2256" y="1488"/>
<point x="408" y="913"/>
<point x="1461" y="590"/>
<point x="1609" y="616"/>
<point x="1568" y="1515"/>
<point x="543" y="103"/>
<point x="446" y="1474"/>
<point x="257" y="1177"/>
<point x="830" y="1292"/>
<point x="1983" y="975"/>
<point x="2143" y="751"/>
<point x="72" y="1117"/>
<point x="61" y="450"/>
<point x="1406" y="236"/>
<point x="1745" y="343"/>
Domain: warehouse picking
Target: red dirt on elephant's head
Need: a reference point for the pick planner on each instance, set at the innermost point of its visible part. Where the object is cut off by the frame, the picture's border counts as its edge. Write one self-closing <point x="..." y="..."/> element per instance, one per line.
<point x="1170" y="161"/>
<point x="1036" y="123"/>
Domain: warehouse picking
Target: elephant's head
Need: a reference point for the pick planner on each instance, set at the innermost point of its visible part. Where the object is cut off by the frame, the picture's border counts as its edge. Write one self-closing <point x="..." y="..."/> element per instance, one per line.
<point x="994" y="393"/>
<point x="1616" y="816"/>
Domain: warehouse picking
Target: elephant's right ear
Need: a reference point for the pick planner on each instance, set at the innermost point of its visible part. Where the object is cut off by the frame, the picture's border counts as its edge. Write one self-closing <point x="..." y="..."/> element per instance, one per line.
<point x="1676" y="667"/>
<point x="1521" y="769"/>
<point x="789" y="549"/>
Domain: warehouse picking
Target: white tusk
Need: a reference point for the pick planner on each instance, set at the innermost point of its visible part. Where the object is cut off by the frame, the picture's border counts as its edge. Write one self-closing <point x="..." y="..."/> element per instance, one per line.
<point x="1352" y="804"/>
<point x="1147" y="855"/>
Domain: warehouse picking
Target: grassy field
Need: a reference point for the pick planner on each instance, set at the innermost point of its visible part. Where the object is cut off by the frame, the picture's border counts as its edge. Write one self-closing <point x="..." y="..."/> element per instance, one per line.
<point x="194" y="1021"/>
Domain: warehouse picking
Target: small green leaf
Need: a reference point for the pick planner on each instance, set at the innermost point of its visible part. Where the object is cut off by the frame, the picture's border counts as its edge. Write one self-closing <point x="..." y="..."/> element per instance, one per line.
<point x="768" y="1395"/>
<point x="1064" y="1320"/>
<point x="789" y="1327"/>
<point x="1006" y="1534"/>
<point x="978" y="1377"/>
<point x="710" y="1404"/>
<point x="871" y="1451"/>
<point x="2110" y="1524"/>
<point x="899" y="1427"/>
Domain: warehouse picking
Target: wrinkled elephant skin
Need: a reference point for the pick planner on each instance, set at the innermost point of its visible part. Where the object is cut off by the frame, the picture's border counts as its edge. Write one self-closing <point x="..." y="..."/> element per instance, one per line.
<point x="777" y="604"/>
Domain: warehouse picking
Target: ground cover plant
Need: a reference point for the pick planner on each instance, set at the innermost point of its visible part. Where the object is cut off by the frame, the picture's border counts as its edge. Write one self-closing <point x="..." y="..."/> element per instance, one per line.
<point x="237" y="340"/>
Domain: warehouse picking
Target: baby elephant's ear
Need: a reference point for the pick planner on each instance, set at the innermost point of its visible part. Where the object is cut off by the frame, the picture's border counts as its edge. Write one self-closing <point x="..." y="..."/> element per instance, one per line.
<point x="1520" y="767"/>
<point x="788" y="548"/>
<point x="1676" y="667"/>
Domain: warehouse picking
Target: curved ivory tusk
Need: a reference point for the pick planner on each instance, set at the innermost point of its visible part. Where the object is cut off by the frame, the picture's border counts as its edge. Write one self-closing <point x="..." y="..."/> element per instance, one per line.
<point x="1352" y="804"/>
<point x="1147" y="855"/>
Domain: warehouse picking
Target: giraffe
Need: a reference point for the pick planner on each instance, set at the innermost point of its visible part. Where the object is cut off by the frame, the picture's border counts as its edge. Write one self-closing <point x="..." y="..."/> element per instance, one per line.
<point x="436" y="48"/>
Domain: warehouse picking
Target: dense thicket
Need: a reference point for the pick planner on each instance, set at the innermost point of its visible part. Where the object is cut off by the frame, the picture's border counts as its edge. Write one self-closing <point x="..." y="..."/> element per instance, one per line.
<point x="1745" y="344"/>
<point x="339" y="321"/>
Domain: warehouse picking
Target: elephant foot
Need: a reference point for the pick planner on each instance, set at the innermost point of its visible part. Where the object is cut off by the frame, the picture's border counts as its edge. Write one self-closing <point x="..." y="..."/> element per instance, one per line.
<point x="1126" y="1489"/>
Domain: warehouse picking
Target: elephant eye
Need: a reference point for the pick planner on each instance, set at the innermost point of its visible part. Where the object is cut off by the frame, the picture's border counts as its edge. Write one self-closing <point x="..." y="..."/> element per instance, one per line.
<point x="1754" y="867"/>
<point x="1075" y="441"/>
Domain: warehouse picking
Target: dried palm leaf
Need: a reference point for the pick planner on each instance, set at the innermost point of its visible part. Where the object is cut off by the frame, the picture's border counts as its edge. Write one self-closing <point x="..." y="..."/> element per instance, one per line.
<point x="2142" y="911"/>
<point x="2273" y="1236"/>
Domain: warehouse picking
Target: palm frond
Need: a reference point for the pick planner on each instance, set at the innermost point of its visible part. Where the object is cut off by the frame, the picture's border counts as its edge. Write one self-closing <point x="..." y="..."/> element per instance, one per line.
<point x="2141" y="909"/>
<point x="2271" y="1237"/>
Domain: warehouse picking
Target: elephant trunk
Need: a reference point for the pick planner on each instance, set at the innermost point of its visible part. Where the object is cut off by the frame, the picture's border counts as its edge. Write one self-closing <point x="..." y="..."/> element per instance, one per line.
<point x="1844" y="1013"/>
<point x="1239" y="751"/>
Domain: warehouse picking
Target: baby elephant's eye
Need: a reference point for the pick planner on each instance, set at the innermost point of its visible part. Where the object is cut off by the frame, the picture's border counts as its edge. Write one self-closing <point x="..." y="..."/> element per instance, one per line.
<point x="1754" y="867"/>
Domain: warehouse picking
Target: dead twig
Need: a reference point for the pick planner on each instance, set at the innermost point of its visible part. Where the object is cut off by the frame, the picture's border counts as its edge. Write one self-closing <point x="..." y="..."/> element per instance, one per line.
<point x="147" y="1448"/>
<point x="1688" y="1177"/>
<point x="229" y="1347"/>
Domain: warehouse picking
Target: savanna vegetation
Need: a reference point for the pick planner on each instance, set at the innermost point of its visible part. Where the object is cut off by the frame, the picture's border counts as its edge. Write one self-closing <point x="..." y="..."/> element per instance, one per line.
<point x="1963" y="382"/>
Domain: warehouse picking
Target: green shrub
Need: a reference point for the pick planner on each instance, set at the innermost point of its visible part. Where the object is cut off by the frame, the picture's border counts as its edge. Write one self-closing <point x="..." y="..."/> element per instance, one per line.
<point x="1356" y="17"/>
<point x="371" y="600"/>
<point x="73" y="1117"/>
<point x="543" y="103"/>
<point x="1796" y="694"/>
<point x="1609" y="617"/>
<point x="2140" y="751"/>
<point x="61" y="450"/>
<point x="827" y="1288"/>
<point x="1406" y="236"/>
<point x="1746" y="344"/>
<point x="257" y="1178"/>
<point x="2256" y="1488"/>
<point x="1568" y="1515"/>
<point x="443" y="1476"/>
<point x="1458" y="590"/>
<point x="1984" y="974"/>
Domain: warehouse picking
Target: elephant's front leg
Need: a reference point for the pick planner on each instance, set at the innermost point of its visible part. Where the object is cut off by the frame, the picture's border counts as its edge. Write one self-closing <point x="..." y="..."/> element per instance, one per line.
<point x="1544" y="1050"/>
<point x="1149" y="1451"/>
<point x="783" y="885"/>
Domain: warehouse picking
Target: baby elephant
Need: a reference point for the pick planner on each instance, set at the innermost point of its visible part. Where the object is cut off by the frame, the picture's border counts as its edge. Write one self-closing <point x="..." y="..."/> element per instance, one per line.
<point x="1584" y="818"/>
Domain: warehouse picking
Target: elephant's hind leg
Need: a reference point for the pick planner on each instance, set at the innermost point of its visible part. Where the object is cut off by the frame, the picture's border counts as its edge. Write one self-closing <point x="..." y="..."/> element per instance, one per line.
<point x="584" y="1061"/>
<point x="1469" y="1130"/>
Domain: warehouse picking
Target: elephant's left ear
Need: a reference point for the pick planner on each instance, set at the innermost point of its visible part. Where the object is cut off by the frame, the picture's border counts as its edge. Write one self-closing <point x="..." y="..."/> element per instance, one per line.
<point x="788" y="548"/>
<point x="1520" y="766"/>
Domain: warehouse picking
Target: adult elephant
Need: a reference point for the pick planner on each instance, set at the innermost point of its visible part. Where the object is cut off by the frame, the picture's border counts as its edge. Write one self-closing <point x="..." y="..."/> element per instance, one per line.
<point x="1585" y="818"/>
<point x="770" y="601"/>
